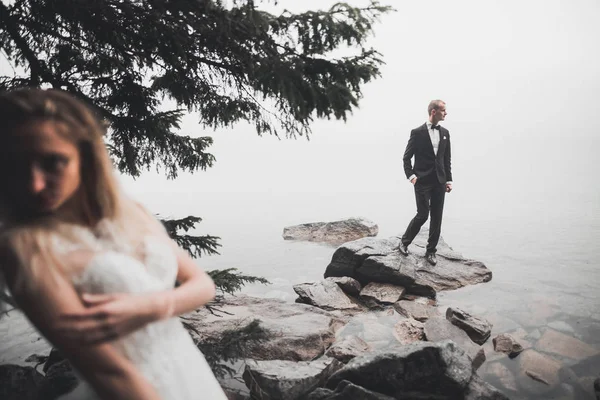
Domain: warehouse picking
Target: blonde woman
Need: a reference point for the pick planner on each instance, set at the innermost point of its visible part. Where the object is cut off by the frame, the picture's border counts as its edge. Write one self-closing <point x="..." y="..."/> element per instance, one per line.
<point x="91" y="269"/>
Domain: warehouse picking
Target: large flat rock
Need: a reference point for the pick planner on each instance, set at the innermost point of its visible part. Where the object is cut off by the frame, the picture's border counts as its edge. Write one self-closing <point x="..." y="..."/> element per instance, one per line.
<point x="419" y="370"/>
<point x="296" y="331"/>
<point x="377" y="260"/>
<point x="335" y="232"/>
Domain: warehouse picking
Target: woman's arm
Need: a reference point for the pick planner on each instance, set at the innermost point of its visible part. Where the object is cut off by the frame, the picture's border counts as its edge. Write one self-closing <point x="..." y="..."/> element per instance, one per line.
<point x="195" y="288"/>
<point x="110" y="316"/>
<point x="110" y="374"/>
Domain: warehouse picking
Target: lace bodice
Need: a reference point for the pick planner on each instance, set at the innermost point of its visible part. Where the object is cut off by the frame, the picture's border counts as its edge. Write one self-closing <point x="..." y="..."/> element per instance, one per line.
<point x="163" y="351"/>
<point x="110" y="271"/>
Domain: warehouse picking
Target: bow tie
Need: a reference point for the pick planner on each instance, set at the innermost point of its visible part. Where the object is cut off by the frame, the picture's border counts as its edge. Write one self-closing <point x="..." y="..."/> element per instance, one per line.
<point x="435" y="127"/>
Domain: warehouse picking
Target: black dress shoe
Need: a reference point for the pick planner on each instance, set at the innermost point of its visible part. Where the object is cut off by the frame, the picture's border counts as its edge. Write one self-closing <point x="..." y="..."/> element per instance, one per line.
<point x="403" y="249"/>
<point x="430" y="257"/>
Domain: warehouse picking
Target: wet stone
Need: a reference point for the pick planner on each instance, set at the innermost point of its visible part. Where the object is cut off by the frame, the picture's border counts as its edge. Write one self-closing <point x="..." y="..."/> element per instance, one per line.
<point x="348" y="348"/>
<point x="538" y="374"/>
<point x="409" y="331"/>
<point x="502" y="374"/>
<point x="563" y="345"/>
<point x="324" y="294"/>
<point x="382" y="292"/>
<point x="348" y="285"/>
<point x="505" y="343"/>
<point x="439" y="329"/>
<point x="477" y="328"/>
<point x="418" y="310"/>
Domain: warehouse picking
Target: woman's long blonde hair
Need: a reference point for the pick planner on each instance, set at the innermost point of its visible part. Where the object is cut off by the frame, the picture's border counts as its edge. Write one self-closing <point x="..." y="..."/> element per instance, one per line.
<point x="100" y="196"/>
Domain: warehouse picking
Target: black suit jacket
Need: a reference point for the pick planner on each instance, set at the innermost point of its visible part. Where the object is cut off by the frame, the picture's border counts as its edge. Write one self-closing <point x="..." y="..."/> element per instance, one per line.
<point x="426" y="162"/>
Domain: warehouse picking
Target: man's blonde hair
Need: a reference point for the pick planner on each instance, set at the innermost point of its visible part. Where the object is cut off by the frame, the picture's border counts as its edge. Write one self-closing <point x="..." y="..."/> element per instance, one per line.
<point x="434" y="105"/>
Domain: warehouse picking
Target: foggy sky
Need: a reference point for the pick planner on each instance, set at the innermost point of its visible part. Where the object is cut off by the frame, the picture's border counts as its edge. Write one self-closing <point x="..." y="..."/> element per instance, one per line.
<point x="520" y="81"/>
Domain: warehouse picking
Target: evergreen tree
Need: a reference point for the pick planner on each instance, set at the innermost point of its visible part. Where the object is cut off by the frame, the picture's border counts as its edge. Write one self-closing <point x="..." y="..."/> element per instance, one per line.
<point x="228" y="63"/>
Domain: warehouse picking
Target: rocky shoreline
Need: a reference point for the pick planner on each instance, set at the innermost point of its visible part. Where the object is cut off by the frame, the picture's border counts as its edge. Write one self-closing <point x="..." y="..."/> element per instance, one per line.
<point x="373" y="329"/>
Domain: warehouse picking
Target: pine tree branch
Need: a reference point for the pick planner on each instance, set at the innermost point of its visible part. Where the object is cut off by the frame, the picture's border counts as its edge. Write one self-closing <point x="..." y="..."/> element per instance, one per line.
<point x="194" y="245"/>
<point x="11" y="28"/>
<point x="229" y="280"/>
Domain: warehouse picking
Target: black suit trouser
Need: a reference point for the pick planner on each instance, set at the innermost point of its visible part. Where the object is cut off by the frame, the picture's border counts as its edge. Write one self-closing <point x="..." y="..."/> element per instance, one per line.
<point x="430" y="195"/>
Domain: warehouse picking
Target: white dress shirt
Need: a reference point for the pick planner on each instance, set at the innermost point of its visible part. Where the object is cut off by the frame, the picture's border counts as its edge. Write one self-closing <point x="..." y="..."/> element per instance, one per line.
<point x="434" y="135"/>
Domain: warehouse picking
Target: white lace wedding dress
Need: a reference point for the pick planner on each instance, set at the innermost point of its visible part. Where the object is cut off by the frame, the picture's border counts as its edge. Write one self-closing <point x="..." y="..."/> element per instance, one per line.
<point x="163" y="351"/>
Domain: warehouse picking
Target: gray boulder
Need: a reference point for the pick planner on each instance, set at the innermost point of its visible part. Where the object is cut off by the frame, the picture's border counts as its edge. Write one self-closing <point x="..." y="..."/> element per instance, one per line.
<point x="19" y="383"/>
<point x="348" y="348"/>
<point x="324" y="294"/>
<point x="336" y="232"/>
<point x="439" y="329"/>
<point x="408" y="372"/>
<point x="381" y="293"/>
<point x="377" y="260"/>
<point x="296" y="331"/>
<point x="506" y="343"/>
<point x="350" y="286"/>
<point x="478" y="329"/>
<point x="419" y="310"/>
<point x="279" y="379"/>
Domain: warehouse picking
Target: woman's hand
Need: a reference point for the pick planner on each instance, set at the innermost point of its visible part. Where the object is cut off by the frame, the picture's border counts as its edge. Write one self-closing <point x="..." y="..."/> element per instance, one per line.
<point x="110" y="316"/>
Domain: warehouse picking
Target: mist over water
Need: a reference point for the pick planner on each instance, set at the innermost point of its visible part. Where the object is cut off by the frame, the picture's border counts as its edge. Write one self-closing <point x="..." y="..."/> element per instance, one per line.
<point x="521" y="84"/>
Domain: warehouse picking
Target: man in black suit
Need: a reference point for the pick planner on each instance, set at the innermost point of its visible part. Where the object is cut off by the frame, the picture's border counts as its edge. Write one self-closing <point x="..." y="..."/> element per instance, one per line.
<point x="431" y="177"/>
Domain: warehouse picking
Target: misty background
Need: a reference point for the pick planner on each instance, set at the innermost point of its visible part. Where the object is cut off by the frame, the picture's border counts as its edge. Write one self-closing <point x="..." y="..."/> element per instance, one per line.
<point x="520" y="81"/>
